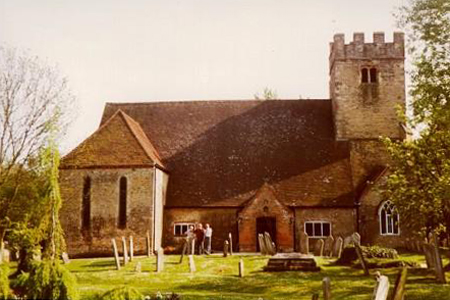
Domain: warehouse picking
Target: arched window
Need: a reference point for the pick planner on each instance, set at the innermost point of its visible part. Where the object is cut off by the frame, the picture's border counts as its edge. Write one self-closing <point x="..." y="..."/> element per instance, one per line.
<point x="86" y="205"/>
<point x="123" y="203"/>
<point x="364" y="75"/>
<point x="373" y="75"/>
<point x="389" y="219"/>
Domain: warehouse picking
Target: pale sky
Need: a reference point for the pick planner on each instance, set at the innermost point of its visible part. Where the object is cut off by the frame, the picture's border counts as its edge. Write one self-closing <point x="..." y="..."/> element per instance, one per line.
<point x="160" y="50"/>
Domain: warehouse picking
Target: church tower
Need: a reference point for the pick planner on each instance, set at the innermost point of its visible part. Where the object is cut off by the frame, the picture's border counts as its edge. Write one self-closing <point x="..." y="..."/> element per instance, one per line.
<point x="367" y="83"/>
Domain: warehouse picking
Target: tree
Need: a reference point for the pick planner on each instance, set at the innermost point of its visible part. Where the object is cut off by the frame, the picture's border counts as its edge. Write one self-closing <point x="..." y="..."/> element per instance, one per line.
<point x="267" y="94"/>
<point x="34" y="101"/>
<point x="420" y="180"/>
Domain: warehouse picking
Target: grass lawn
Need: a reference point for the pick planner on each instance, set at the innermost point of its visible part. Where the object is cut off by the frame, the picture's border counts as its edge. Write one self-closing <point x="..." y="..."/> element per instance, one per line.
<point x="217" y="278"/>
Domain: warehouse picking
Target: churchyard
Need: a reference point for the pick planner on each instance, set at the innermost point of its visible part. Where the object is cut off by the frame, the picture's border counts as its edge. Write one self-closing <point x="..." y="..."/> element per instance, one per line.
<point x="217" y="277"/>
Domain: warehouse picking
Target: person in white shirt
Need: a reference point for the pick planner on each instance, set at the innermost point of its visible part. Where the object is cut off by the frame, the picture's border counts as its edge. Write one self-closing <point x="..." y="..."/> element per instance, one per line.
<point x="208" y="236"/>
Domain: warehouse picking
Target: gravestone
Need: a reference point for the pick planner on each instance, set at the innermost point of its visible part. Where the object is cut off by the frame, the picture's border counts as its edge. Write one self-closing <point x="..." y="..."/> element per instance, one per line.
<point x="138" y="267"/>
<point x="269" y="244"/>
<point x="381" y="288"/>
<point x="304" y="242"/>
<point x="326" y="285"/>
<point x="65" y="258"/>
<point x="147" y="243"/>
<point x="329" y="246"/>
<point x="231" y="243"/>
<point x="337" y="251"/>
<point x="116" y="254"/>
<point x="184" y="251"/>
<point x="399" y="288"/>
<point x="292" y="262"/>
<point x="348" y="241"/>
<point x="356" y="239"/>
<point x="225" y="248"/>
<point x="192" y="246"/>
<point x="438" y="266"/>
<point x="160" y="260"/>
<point x="318" y="247"/>
<point x="262" y="244"/>
<point x="362" y="260"/>
<point x="125" y="252"/>
<point x="241" y="268"/>
<point x="131" y="248"/>
<point x="192" y="268"/>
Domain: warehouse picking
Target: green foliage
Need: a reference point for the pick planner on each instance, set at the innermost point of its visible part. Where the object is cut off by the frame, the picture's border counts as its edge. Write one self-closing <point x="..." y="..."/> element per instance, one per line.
<point x="47" y="280"/>
<point x="122" y="293"/>
<point x="4" y="281"/>
<point x="267" y="94"/>
<point x="419" y="184"/>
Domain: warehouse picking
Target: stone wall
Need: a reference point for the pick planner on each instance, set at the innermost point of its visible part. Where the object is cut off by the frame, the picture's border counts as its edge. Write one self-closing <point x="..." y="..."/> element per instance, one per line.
<point x="222" y="221"/>
<point x="105" y="208"/>
<point x="343" y="223"/>
<point x="367" y="110"/>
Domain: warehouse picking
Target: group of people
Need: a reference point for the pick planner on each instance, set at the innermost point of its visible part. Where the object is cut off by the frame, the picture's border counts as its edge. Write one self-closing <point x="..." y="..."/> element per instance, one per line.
<point x="202" y="237"/>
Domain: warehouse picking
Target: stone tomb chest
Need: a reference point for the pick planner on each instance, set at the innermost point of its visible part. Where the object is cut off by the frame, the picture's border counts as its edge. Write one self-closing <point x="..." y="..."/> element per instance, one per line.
<point x="291" y="262"/>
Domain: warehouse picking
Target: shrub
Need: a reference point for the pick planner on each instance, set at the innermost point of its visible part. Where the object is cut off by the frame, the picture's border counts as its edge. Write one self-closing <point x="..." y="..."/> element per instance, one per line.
<point x="122" y="293"/>
<point x="349" y="254"/>
<point x="47" y="280"/>
<point x="4" y="281"/>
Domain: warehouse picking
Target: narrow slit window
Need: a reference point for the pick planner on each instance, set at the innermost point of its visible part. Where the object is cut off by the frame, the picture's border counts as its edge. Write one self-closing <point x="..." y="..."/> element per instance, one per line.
<point x="86" y="205"/>
<point x="364" y="75"/>
<point x="123" y="203"/>
<point x="373" y="75"/>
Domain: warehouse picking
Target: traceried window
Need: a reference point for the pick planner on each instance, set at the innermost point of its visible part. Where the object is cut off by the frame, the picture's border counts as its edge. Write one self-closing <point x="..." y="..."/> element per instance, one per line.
<point x="389" y="219"/>
<point x="86" y="205"/>
<point x="122" y="224"/>
<point x="318" y="228"/>
<point x="180" y="229"/>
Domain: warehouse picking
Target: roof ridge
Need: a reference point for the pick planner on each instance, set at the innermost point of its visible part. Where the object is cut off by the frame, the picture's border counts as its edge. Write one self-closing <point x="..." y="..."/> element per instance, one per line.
<point x="127" y="119"/>
<point x="187" y="101"/>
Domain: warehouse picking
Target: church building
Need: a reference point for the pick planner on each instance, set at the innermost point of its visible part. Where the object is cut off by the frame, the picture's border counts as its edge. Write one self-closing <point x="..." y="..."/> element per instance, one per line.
<point x="301" y="170"/>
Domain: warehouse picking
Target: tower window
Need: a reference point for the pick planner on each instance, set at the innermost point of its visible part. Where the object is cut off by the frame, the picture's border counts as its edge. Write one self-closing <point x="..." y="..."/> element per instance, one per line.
<point x="364" y="75"/>
<point x="86" y="205"/>
<point x="122" y="224"/>
<point x="373" y="75"/>
<point x="389" y="220"/>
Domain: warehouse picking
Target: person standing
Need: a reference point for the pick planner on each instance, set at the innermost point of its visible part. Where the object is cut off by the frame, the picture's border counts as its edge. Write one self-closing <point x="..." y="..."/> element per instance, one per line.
<point x="208" y="237"/>
<point x="199" y="238"/>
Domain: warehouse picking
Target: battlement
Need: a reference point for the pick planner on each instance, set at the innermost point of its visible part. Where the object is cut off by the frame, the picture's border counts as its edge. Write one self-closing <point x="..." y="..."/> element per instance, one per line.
<point x="359" y="49"/>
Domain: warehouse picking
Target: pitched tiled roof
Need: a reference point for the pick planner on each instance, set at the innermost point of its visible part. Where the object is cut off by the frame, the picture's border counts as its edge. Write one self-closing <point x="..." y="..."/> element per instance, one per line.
<point x="219" y="153"/>
<point x="119" y="142"/>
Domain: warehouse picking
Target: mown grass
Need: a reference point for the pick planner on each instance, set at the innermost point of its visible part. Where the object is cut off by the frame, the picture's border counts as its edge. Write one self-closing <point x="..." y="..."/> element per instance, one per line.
<point x="217" y="278"/>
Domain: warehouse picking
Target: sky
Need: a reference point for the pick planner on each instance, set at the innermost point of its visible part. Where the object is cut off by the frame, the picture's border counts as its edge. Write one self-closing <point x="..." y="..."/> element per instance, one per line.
<point x="166" y="50"/>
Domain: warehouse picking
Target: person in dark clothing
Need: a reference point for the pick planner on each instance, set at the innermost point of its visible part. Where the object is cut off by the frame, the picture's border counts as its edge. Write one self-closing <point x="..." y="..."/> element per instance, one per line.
<point x="199" y="238"/>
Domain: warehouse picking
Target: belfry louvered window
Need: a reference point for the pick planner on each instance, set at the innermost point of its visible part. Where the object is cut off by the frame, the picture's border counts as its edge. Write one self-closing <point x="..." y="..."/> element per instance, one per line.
<point x="389" y="219"/>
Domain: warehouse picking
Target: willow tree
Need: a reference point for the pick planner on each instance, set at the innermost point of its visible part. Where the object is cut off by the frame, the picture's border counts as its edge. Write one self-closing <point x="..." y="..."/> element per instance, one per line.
<point x="420" y="180"/>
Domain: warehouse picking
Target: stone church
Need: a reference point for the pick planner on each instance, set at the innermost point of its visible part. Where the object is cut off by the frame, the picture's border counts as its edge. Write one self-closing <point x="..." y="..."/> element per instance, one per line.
<point x="299" y="169"/>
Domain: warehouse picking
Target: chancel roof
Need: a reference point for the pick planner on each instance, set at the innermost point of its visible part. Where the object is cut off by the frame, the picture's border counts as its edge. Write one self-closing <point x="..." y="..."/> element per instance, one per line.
<point x="219" y="153"/>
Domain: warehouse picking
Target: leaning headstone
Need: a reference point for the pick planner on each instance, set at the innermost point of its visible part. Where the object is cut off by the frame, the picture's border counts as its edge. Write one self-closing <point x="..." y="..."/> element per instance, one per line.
<point x="269" y="246"/>
<point x="241" y="268"/>
<point x="184" y="251"/>
<point x="356" y="239"/>
<point x="147" y="242"/>
<point x="381" y="288"/>
<point x="329" y="246"/>
<point x="399" y="288"/>
<point x="116" y="254"/>
<point x="231" y="243"/>
<point x="125" y="252"/>
<point x="318" y="247"/>
<point x="160" y="260"/>
<point x="65" y="258"/>
<point x="326" y="285"/>
<point x="138" y="267"/>
<point x="262" y="244"/>
<point x="131" y="248"/>
<point x="362" y="260"/>
<point x="338" y="247"/>
<point x="225" y="248"/>
<point x="438" y="266"/>
<point x="304" y="242"/>
<point x="192" y="268"/>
